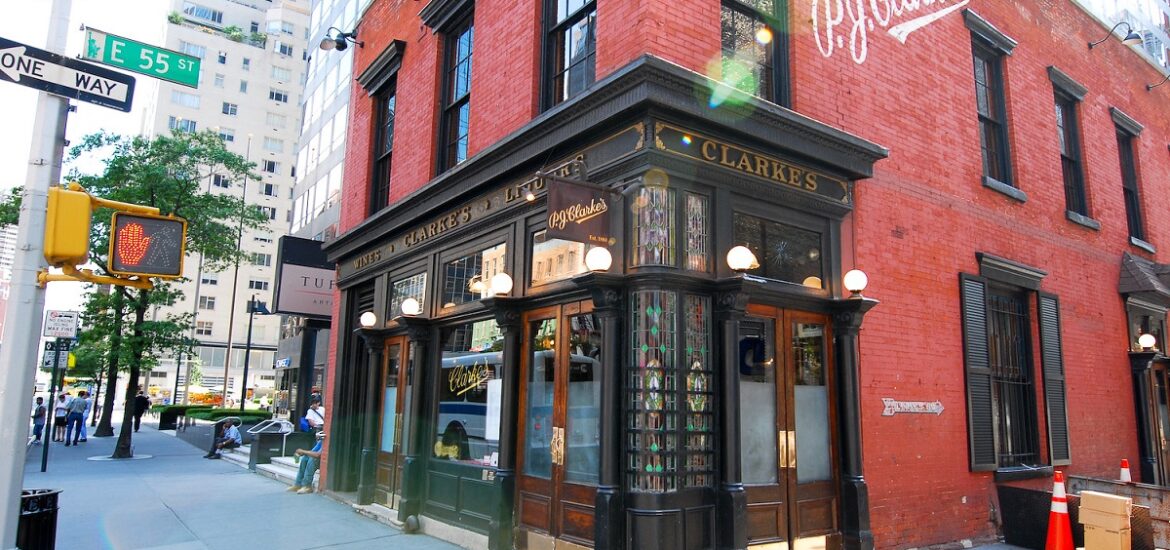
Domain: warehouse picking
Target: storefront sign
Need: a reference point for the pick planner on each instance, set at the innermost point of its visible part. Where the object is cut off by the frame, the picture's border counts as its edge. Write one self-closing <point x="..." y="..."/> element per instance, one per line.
<point x="893" y="406"/>
<point x="305" y="279"/>
<point x="465" y="378"/>
<point x="694" y="146"/>
<point x="579" y="212"/>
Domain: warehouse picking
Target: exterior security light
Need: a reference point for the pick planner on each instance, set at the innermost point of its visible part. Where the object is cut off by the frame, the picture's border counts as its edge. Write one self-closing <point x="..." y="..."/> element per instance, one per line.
<point x="410" y="306"/>
<point x="855" y="281"/>
<point x="741" y="259"/>
<point x="1131" y="38"/>
<point x="339" y="41"/>
<point x="501" y="283"/>
<point x="1147" y="341"/>
<point x="368" y="319"/>
<point x="598" y="259"/>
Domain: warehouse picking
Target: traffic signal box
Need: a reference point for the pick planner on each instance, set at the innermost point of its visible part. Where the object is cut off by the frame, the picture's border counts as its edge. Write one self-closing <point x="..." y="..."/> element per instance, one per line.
<point x="67" y="227"/>
<point x="146" y="245"/>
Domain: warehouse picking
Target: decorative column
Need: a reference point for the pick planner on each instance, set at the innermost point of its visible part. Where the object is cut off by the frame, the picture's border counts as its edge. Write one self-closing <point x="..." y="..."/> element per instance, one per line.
<point x="608" y="292"/>
<point x="507" y="312"/>
<point x="418" y="330"/>
<point x="847" y="318"/>
<point x="1148" y="446"/>
<point x="731" y="500"/>
<point x="375" y="340"/>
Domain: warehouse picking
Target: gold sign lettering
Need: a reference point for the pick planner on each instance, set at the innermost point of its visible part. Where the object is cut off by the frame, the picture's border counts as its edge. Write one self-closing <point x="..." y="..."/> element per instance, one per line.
<point x="577" y="213"/>
<point x="465" y="378"/>
<point x="367" y="259"/>
<point x="437" y="227"/>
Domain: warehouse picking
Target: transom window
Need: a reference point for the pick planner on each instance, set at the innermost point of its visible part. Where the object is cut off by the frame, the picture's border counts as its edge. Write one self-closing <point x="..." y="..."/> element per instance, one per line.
<point x="785" y="252"/>
<point x="572" y="48"/>
<point x="469" y="278"/>
<point x="457" y="95"/>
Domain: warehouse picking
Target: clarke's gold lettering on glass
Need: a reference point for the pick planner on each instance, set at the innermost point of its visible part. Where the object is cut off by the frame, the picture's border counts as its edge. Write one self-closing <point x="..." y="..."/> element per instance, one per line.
<point x="465" y="378"/>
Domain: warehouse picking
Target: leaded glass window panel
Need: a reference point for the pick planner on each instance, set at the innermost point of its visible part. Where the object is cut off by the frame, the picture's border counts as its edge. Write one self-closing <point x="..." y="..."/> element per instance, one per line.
<point x="698" y="237"/>
<point x="653" y="232"/>
<point x="699" y="458"/>
<point x="652" y="421"/>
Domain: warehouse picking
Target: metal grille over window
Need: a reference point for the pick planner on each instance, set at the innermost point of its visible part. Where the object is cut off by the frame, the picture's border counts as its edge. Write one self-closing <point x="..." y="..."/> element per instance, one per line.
<point x="652" y="391"/>
<point x="653" y="214"/>
<point x="1011" y="371"/>
<point x="698" y="240"/>
<point x="700" y="441"/>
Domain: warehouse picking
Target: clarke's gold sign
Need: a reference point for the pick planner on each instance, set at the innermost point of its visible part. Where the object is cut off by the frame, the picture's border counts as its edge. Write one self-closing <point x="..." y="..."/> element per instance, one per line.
<point x="465" y="378"/>
<point x="689" y="144"/>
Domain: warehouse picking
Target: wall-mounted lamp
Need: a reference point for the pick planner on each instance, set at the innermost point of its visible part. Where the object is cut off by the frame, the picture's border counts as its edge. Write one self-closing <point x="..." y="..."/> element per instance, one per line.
<point x="598" y="259"/>
<point x="855" y="281"/>
<point x="1131" y="38"/>
<point x="528" y="194"/>
<point x="368" y="319"/>
<point x="1163" y="81"/>
<point x="411" y="307"/>
<point x="339" y="41"/>
<point x="741" y="259"/>
<point x="1146" y="341"/>
<point x="501" y="283"/>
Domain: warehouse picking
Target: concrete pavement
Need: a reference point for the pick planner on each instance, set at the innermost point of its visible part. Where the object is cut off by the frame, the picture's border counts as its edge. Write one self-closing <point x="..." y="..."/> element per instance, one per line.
<point x="177" y="500"/>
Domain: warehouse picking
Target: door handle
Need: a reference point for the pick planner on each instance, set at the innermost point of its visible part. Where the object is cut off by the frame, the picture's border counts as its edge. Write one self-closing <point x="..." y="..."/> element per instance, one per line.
<point x="791" y="448"/>
<point x="786" y="448"/>
<point x="398" y="432"/>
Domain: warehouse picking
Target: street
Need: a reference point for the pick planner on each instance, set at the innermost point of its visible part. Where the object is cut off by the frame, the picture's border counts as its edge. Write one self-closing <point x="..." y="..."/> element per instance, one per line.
<point x="176" y="500"/>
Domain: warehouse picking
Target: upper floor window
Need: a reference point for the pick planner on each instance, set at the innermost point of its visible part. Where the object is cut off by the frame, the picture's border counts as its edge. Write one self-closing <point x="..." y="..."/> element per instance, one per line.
<point x="383" y="150"/>
<point x="207" y="302"/>
<point x="270" y="166"/>
<point x="202" y="12"/>
<point x="218" y="81"/>
<point x="273" y="144"/>
<point x="283" y="48"/>
<point x="227" y="134"/>
<point x="192" y="49"/>
<point x="220" y="180"/>
<point x="230" y="108"/>
<point x="456" y="95"/>
<point x="1068" y="95"/>
<point x="1129" y="184"/>
<point x="752" y="48"/>
<point x="278" y="95"/>
<point x="181" y="124"/>
<point x="185" y="99"/>
<point x="989" y="48"/>
<point x="572" y="47"/>
<point x="246" y="64"/>
<point x="221" y="58"/>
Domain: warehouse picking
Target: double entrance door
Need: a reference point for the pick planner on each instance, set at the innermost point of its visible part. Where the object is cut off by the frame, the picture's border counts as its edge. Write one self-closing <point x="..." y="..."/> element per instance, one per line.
<point x="788" y="429"/>
<point x="395" y="399"/>
<point x="558" y="447"/>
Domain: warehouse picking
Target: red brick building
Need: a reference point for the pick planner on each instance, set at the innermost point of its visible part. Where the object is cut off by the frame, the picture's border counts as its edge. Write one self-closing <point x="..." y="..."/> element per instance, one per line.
<point x="999" y="180"/>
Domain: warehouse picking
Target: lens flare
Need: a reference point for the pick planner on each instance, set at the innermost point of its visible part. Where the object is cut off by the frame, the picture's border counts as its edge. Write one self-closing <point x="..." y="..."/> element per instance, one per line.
<point x="764" y="35"/>
<point x="686" y="139"/>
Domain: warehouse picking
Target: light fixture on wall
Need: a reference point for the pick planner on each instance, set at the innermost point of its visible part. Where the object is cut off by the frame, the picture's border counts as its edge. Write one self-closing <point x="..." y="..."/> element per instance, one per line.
<point x="1131" y="38"/>
<point x="501" y="283"/>
<point x="368" y="319"/>
<point x="1163" y="81"/>
<point x="598" y="259"/>
<point x="1147" y="341"/>
<point x="528" y="194"/>
<point x="855" y="281"/>
<point x="740" y="258"/>
<point x="339" y="41"/>
<point x="411" y="307"/>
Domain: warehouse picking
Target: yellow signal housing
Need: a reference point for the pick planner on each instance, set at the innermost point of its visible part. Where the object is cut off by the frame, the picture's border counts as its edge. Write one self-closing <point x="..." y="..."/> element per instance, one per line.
<point x="67" y="223"/>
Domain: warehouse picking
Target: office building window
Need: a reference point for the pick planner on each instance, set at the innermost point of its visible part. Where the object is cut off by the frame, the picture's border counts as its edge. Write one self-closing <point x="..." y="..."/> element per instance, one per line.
<point x="457" y="94"/>
<point x="278" y="95"/>
<point x="181" y="124"/>
<point x="202" y="12"/>
<point x="203" y="328"/>
<point x="572" y="48"/>
<point x="207" y="302"/>
<point x="230" y="109"/>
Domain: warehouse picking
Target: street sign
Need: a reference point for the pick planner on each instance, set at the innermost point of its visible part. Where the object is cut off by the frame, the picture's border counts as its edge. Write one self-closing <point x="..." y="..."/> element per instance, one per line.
<point x="49" y="72"/>
<point x="61" y="324"/>
<point x="66" y="344"/>
<point x="62" y="360"/>
<point x="135" y="56"/>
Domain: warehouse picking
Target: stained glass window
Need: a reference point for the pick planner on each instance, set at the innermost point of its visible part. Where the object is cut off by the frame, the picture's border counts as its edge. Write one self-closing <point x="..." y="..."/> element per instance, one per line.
<point x="698" y="239"/>
<point x="653" y="235"/>
<point x="699" y="459"/>
<point x="652" y="422"/>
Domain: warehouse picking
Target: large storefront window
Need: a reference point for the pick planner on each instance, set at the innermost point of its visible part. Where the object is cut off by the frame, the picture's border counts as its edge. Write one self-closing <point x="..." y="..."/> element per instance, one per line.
<point x="469" y="278"/>
<point x="785" y="252"/>
<point x="470" y="384"/>
<point x="556" y="259"/>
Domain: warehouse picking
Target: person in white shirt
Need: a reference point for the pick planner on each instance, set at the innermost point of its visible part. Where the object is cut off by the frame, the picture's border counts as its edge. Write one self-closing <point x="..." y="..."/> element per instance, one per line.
<point x="60" y="413"/>
<point x="315" y="415"/>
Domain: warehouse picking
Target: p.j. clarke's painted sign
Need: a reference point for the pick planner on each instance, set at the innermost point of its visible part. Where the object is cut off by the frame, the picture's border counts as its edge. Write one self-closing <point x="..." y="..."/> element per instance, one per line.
<point x="698" y="147"/>
<point x="579" y="210"/>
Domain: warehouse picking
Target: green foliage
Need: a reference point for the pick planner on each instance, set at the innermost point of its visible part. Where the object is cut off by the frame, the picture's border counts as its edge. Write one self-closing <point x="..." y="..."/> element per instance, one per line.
<point x="10" y="206"/>
<point x="217" y="414"/>
<point x="175" y="17"/>
<point x="184" y="409"/>
<point x="258" y="39"/>
<point x="234" y="33"/>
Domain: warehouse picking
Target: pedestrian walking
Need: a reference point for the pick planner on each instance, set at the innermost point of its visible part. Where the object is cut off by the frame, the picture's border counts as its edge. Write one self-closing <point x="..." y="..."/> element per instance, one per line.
<point x="75" y="418"/>
<point x="141" y="405"/>
<point x="60" y="414"/>
<point x="85" y="415"/>
<point x="40" y="412"/>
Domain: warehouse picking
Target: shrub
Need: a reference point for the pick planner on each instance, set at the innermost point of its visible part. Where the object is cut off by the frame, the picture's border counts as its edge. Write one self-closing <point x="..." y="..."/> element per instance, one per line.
<point x="184" y="409"/>
<point x="217" y="414"/>
<point x="234" y="33"/>
<point x="175" y="17"/>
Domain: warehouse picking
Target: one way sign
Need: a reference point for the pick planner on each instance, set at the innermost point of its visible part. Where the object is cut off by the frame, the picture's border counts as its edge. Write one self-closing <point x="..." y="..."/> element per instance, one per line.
<point x="47" y="71"/>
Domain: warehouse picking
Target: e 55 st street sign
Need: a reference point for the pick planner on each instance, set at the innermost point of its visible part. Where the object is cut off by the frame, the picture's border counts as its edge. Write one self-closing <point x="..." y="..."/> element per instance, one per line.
<point x="124" y="53"/>
<point x="59" y="75"/>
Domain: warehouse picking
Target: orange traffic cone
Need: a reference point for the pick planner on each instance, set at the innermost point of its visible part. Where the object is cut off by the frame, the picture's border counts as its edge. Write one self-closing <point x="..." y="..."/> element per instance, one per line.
<point x="1125" y="477"/>
<point x="1059" y="527"/>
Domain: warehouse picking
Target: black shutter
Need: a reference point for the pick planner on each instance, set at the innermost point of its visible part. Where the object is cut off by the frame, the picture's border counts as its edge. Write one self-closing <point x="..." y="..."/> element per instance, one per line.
<point x="1053" y="364"/>
<point x="980" y="422"/>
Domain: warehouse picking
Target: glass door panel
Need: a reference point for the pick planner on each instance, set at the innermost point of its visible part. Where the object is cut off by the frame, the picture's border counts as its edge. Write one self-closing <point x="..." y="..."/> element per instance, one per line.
<point x="813" y="454"/>
<point x="541" y="386"/>
<point x="757" y="385"/>
<point x="390" y="399"/>
<point x="584" y="403"/>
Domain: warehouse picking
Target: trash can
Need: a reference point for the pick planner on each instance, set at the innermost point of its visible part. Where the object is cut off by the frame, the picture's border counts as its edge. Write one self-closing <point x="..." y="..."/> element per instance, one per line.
<point x="37" y="529"/>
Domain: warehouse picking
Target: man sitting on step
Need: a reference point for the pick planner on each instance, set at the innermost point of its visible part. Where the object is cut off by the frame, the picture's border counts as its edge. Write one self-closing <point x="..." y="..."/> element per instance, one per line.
<point x="231" y="439"/>
<point x="309" y="462"/>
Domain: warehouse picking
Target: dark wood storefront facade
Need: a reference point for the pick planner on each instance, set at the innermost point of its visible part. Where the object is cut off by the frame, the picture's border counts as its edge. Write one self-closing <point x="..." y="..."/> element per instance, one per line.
<point x="667" y="402"/>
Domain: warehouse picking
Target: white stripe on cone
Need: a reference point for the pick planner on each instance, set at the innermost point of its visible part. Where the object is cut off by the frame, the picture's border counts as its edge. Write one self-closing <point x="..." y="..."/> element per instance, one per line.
<point x="1125" y="477"/>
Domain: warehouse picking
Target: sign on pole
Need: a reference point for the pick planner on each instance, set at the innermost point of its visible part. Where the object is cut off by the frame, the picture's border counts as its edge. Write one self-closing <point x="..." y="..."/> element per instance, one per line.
<point x="135" y="56"/>
<point x="72" y="78"/>
<point x="61" y="324"/>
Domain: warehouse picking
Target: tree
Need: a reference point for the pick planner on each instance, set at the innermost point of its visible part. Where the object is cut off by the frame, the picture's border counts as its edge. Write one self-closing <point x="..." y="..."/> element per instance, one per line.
<point x="10" y="206"/>
<point x="172" y="173"/>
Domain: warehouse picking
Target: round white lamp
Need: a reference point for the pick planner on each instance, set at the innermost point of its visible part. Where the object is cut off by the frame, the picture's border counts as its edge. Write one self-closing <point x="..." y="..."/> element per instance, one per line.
<point x="598" y="259"/>
<point x="501" y="283"/>
<point x="1147" y="341"/>
<point x="812" y="281"/>
<point x="368" y="319"/>
<point x="477" y="285"/>
<point x="410" y="306"/>
<point x="855" y="281"/>
<point x="740" y="258"/>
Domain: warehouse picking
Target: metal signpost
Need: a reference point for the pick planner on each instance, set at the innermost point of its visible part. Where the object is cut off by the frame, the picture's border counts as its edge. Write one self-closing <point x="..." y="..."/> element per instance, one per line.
<point x="61" y="325"/>
<point x="132" y="55"/>
<point x="60" y="75"/>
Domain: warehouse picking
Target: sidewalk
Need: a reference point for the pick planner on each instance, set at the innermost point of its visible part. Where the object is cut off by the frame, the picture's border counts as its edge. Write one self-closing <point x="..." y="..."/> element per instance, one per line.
<point x="176" y="500"/>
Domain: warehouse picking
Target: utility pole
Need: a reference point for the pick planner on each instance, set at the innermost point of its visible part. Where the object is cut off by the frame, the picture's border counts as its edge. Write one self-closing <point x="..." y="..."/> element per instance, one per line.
<point x="18" y="355"/>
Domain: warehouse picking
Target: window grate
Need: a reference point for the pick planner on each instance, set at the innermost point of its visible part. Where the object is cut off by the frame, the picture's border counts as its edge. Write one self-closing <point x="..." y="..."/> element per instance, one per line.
<point x="1012" y="388"/>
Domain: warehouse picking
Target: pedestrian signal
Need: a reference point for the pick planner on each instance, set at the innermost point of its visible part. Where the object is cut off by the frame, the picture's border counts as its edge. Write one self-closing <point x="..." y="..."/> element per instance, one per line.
<point x="67" y="227"/>
<point x="146" y="245"/>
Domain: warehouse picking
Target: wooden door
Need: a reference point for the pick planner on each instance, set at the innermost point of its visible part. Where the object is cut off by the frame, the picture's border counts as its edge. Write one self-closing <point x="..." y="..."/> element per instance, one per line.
<point x="788" y="429"/>
<point x="395" y="376"/>
<point x="558" y="445"/>
<point x="1161" y="423"/>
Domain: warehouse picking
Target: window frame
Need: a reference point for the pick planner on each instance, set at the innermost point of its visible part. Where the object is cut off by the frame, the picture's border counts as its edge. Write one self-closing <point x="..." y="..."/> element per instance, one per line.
<point x="777" y="22"/>
<point x="382" y="156"/>
<point x="993" y="46"/>
<point x="450" y="107"/>
<point x="1127" y="157"/>
<point x="554" y="34"/>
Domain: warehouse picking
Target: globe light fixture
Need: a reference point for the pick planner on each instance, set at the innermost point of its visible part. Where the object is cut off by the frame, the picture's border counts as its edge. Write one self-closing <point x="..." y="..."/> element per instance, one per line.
<point x="598" y="259"/>
<point x="855" y="281"/>
<point x="741" y="259"/>
<point x="501" y="283"/>
<point x="368" y="319"/>
<point x="411" y="307"/>
<point x="1147" y="341"/>
<point x="339" y="41"/>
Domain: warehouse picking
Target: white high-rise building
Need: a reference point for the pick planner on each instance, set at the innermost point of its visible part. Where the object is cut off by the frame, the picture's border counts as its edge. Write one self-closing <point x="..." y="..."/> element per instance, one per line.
<point x="1148" y="18"/>
<point x="253" y="72"/>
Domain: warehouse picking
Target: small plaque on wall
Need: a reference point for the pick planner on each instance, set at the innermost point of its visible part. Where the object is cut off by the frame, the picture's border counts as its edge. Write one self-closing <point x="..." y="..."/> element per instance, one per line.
<point x="893" y="406"/>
